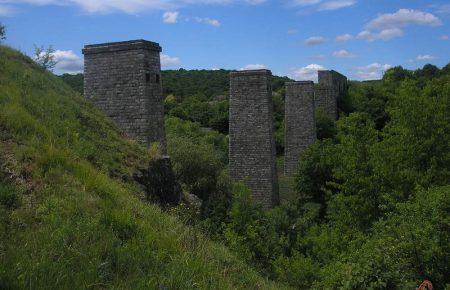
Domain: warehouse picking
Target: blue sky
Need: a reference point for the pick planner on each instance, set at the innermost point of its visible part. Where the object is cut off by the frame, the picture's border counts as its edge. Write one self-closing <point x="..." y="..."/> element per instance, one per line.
<point x="360" y="38"/>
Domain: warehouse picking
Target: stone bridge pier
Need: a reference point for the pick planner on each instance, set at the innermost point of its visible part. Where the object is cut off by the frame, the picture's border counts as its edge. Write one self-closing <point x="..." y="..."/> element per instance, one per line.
<point x="252" y="154"/>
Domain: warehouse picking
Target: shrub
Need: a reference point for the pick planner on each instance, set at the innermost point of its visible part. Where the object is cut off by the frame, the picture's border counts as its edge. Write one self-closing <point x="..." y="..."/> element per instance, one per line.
<point x="195" y="165"/>
<point x="250" y="231"/>
<point x="9" y="196"/>
<point x="2" y="32"/>
<point x="315" y="174"/>
<point x="297" y="270"/>
<point x="45" y="57"/>
<point x="325" y="126"/>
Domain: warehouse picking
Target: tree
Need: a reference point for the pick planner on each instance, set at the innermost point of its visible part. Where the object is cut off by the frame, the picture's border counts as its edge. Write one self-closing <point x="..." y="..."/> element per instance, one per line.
<point x="2" y="32"/>
<point x="428" y="71"/>
<point x="325" y="126"/>
<point x="45" y="57"/>
<point x="356" y="204"/>
<point x="197" y="166"/>
<point x="446" y="69"/>
<point x="396" y="74"/>
<point x="315" y="174"/>
<point x="414" y="148"/>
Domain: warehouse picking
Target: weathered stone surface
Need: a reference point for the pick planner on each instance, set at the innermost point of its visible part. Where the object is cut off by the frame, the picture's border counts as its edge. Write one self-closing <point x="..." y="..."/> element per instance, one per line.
<point x="299" y="121"/>
<point x="252" y="145"/>
<point x="331" y="88"/>
<point x="302" y="98"/>
<point x="123" y="79"/>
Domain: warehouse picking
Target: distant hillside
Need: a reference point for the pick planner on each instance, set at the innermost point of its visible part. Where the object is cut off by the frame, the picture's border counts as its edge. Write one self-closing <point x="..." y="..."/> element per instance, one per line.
<point x="186" y="83"/>
<point x="203" y="83"/>
<point x="70" y="218"/>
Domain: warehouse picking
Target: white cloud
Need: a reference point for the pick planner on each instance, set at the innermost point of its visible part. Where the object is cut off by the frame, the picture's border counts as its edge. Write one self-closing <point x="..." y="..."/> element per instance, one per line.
<point x="292" y="31"/>
<point x="444" y="37"/>
<point x="67" y="62"/>
<point x="304" y="2"/>
<point x="131" y="6"/>
<point x="372" y="71"/>
<point x="403" y="18"/>
<point x="344" y="37"/>
<point x="170" y="17"/>
<point x="209" y="21"/>
<point x="388" y="26"/>
<point x="343" y="53"/>
<point x="425" y="57"/>
<point x="255" y="2"/>
<point x="307" y="73"/>
<point x="336" y="4"/>
<point x="253" y="66"/>
<point x="315" y="40"/>
<point x="324" y="6"/>
<point x="385" y="34"/>
<point x="168" y="61"/>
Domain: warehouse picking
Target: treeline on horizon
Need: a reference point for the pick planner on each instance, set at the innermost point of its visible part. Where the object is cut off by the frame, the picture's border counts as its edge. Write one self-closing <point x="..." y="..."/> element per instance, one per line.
<point x="371" y="203"/>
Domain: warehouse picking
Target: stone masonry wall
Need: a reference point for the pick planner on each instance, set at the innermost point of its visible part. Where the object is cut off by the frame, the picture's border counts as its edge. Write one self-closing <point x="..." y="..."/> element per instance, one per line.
<point x="252" y="153"/>
<point x="123" y="79"/>
<point x="332" y="86"/>
<point x="299" y="121"/>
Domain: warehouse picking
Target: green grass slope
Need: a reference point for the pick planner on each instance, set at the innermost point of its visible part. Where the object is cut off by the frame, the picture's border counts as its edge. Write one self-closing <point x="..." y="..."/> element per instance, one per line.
<point x="69" y="216"/>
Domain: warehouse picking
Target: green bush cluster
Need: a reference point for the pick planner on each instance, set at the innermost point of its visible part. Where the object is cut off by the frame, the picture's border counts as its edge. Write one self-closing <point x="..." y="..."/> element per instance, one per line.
<point x="208" y="114"/>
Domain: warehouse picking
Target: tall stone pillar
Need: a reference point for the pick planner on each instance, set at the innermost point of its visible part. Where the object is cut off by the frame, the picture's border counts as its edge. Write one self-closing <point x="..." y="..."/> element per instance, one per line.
<point x="252" y="154"/>
<point x="299" y="121"/>
<point x="331" y="88"/>
<point x="123" y="79"/>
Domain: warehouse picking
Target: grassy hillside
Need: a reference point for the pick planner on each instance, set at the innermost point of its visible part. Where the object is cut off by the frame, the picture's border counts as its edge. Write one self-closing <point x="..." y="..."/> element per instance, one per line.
<point x="69" y="216"/>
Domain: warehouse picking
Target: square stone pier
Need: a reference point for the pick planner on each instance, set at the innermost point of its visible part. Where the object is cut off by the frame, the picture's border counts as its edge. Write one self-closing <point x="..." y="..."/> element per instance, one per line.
<point x="123" y="79"/>
<point x="252" y="154"/>
<point x="299" y="122"/>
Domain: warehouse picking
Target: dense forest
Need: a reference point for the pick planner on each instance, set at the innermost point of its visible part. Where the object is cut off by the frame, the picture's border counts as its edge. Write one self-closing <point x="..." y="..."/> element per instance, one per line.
<point x="370" y="204"/>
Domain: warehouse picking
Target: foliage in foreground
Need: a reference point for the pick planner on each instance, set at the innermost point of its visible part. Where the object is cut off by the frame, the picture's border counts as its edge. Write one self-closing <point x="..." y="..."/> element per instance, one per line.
<point x="2" y="32"/>
<point x="70" y="217"/>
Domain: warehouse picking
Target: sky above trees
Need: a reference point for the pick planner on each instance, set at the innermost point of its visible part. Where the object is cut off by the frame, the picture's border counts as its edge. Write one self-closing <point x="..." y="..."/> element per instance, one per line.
<point x="360" y="38"/>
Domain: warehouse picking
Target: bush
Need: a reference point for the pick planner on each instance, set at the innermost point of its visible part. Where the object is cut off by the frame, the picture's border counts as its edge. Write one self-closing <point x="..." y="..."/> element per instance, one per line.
<point x="176" y="127"/>
<point x="9" y="196"/>
<point x="44" y="57"/>
<point x="2" y="32"/>
<point x="251" y="232"/>
<point x="411" y="245"/>
<point x="315" y="174"/>
<point x="215" y="210"/>
<point x="195" y="165"/>
<point x="325" y="126"/>
<point x="298" y="271"/>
